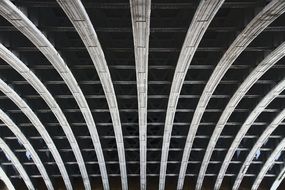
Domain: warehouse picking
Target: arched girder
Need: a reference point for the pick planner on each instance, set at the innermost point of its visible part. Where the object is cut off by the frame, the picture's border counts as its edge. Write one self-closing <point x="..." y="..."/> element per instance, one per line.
<point x="272" y="11"/>
<point x="140" y="13"/>
<point x="21" y="137"/>
<point x="24" y="107"/>
<point x="200" y="22"/>
<point x="17" y="164"/>
<point x="278" y="180"/>
<point x="269" y="162"/>
<point x="78" y="16"/>
<point x="11" y="13"/>
<point x="34" y="81"/>
<point x="266" y="100"/>
<point x="6" y="180"/>
<point x="254" y="76"/>
<point x="261" y="140"/>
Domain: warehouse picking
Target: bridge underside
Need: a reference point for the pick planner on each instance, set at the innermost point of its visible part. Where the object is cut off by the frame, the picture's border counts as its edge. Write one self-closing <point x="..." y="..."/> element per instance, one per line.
<point x="169" y="23"/>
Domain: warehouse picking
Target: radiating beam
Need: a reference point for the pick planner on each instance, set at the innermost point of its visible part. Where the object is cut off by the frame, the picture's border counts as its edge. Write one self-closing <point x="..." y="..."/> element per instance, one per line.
<point x="278" y="179"/>
<point x="10" y="12"/>
<point x="78" y="16"/>
<point x="274" y="9"/>
<point x="200" y="22"/>
<point x="11" y="156"/>
<point x="12" y="95"/>
<point x="34" y="81"/>
<point x="270" y="96"/>
<point x="21" y="137"/>
<point x="268" y="164"/>
<point x="257" y="146"/>
<point x="6" y="180"/>
<point x="250" y="80"/>
<point x="140" y="13"/>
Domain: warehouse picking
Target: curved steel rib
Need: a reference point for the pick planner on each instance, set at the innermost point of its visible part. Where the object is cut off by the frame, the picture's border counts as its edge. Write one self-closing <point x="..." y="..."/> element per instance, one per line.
<point x="17" y="164"/>
<point x="33" y="80"/>
<point x="269" y="162"/>
<point x="140" y="12"/>
<point x="255" y="27"/>
<point x="278" y="180"/>
<point x="261" y="140"/>
<point x="245" y="127"/>
<point x="11" y="13"/>
<point x="200" y="22"/>
<point x="77" y="14"/>
<point x="11" y="94"/>
<point x="256" y="74"/>
<point x="6" y="180"/>
<point x="18" y="133"/>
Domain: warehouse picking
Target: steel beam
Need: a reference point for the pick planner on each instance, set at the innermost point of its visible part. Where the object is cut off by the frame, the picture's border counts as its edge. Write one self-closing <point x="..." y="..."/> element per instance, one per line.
<point x="66" y="150"/>
<point x="78" y="16"/>
<point x="250" y="80"/>
<point x="34" y="81"/>
<point x="140" y="13"/>
<point x="270" y="96"/>
<point x="149" y="162"/>
<point x="9" y="92"/>
<point x="11" y="156"/>
<point x="201" y="20"/>
<point x="278" y="179"/>
<point x="119" y="5"/>
<point x="6" y="180"/>
<point x="271" y="12"/>
<point x="269" y="162"/>
<point x="28" y="147"/>
<point x="148" y="175"/>
<point x="257" y="146"/>
<point x="11" y="13"/>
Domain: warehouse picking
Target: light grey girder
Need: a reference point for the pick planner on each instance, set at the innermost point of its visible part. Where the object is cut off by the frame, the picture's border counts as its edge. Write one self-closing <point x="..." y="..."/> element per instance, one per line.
<point x="78" y="16"/>
<point x="12" y="95"/>
<point x="140" y="13"/>
<point x="266" y="100"/>
<point x="9" y="153"/>
<point x="21" y="137"/>
<point x="269" y="162"/>
<point x="278" y="180"/>
<point x="256" y="74"/>
<point x="261" y="140"/>
<point x="10" y="12"/>
<point x="6" y="180"/>
<point x="200" y="22"/>
<point x="274" y="9"/>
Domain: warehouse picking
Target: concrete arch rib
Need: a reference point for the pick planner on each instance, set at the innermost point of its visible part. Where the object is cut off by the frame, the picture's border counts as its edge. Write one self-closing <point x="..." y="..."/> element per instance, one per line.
<point x="256" y="74"/>
<point x="261" y="140"/>
<point x="21" y="137"/>
<point x="11" y="13"/>
<point x="269" y="162"/>
<point x="270" y="96"/>
<point x="34" y="81"/>
<point x="17" y="164"/>
<point x="198" y="27"/>
<point x="274" y="9"/>
<point x="6" y="180"/>
<point x="140" y="13"/>
<point x="12" y="95"/>
<point x="77" y="14"/>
